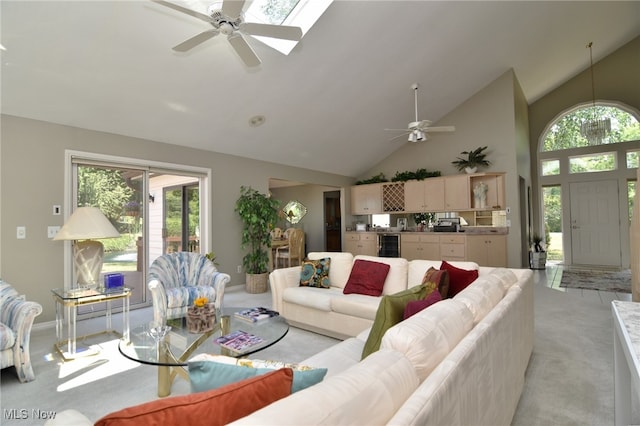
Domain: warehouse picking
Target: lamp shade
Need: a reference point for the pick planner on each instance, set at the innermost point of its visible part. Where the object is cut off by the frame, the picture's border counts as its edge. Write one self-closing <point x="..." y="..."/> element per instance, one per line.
<point x="87" y="223"/>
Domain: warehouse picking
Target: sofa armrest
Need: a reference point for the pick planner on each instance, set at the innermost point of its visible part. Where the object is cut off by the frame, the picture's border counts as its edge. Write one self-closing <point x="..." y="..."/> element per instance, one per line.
<point x="280" y="280"/>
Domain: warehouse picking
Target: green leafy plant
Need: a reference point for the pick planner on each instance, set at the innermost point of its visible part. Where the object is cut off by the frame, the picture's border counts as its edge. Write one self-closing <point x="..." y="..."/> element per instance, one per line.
<point x="419" y="174"/>
<point x="259" y="213"/>
<point x="212" y="257"/>
<point x="475" y="158"/>
<point x="380" y="177"/>
<point x="537" y="243"/>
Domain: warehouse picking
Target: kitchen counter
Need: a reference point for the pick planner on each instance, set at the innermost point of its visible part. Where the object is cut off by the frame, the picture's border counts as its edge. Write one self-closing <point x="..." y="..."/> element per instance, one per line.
<point x="468" y="230"/>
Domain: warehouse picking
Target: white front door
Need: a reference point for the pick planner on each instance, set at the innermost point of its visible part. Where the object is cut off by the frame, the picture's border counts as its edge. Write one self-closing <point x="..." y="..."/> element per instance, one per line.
<point x="595" y="223"/>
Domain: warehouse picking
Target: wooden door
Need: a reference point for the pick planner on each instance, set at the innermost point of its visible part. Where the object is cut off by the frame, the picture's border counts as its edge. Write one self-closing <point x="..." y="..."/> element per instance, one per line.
<point x="595" y="223"/>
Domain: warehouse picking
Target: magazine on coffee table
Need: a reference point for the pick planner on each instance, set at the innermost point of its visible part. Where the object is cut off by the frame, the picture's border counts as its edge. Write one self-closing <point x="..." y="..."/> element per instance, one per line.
<point x="239" y="341"/>
<point x="256" y="314"/>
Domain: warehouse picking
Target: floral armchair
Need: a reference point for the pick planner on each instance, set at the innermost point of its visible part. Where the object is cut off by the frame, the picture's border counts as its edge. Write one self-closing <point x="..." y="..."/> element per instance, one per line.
<point x="16" y="320"/>
<point x="177" y="279"/>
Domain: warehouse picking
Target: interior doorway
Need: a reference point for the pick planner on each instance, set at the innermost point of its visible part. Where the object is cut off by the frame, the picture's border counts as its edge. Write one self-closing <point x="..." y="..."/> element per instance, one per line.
<point x="595" y="223"/>
<point x="332" y="221"/>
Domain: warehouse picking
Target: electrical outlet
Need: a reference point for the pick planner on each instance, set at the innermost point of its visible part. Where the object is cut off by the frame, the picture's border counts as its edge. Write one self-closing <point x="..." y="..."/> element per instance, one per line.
<point x="21" y="232"/>
<point x="508" y="222"/>
<point x="239" y="269"/>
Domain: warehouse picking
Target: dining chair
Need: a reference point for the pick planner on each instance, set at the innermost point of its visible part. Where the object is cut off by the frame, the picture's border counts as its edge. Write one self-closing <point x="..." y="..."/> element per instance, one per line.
<point x="294" y="250"/>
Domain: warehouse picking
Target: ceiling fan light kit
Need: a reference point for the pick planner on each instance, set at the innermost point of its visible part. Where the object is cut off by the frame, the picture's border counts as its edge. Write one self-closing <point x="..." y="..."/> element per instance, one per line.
<point x="419" y="130"/>
<point x="229" y="20"/>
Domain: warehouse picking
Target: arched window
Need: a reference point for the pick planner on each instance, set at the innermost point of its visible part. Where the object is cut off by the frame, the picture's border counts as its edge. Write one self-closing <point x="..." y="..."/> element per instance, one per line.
<point x="564" y="131"/>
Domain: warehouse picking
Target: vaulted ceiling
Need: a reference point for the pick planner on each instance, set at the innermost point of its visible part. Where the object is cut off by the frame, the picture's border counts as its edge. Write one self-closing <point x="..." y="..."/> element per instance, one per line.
<point x="108" y="66"/>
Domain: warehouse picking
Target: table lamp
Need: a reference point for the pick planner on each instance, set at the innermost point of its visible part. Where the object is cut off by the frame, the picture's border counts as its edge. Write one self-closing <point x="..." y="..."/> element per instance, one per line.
<point x="83" y="227"/>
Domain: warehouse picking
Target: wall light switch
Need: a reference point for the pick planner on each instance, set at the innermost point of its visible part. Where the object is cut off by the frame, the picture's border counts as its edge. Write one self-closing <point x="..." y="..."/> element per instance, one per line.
<point x="52" y="231"/>
<point x="21" y="232"/>
<point x="57" y="210"/>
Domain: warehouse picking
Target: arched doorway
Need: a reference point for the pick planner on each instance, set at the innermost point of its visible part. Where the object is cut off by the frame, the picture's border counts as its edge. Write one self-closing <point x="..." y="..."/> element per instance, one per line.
<point x="587" y="187"/>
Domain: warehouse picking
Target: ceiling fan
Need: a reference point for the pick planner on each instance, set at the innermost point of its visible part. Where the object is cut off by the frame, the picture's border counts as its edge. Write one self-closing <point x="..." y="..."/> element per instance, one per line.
<point x="418" y="130"/>
<point x="229" y="20"/>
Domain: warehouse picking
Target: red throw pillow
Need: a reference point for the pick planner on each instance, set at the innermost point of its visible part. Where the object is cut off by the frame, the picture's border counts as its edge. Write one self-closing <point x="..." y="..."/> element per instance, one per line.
<point x="215" y="407"/>
<point x="416" y="306"/>
<point x="459" y="279"/>
<point x="367" y="277"/>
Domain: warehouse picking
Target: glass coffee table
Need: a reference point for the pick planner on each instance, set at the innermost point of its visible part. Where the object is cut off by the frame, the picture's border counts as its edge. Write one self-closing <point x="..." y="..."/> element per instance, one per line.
<point x="171" y="352"/>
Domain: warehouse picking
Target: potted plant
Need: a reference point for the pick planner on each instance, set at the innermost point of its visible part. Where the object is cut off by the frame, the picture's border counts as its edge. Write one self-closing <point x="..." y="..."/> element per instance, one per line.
<point x="475" y="159"/>
<point x="259" y="213"/>
<point x="538" y="252"/>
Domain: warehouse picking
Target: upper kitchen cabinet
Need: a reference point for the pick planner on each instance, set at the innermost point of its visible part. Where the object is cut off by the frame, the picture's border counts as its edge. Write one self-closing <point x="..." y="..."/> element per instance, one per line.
<point x="494" y="183"/>
<point x="424" y="195"/>
<point x="366" y="199"/>
<point x="456" y="193"/>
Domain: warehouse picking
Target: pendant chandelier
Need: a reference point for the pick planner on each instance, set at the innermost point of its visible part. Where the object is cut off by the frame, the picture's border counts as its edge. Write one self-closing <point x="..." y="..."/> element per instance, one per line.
<point x="594" y="130"/>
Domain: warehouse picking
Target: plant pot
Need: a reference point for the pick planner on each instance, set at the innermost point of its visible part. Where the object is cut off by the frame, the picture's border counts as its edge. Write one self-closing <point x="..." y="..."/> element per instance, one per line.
<point x="201" y="319"/>
<point x="256" y="283"/>
<point x="470" y="170"/>
<point x="538" y="260"/>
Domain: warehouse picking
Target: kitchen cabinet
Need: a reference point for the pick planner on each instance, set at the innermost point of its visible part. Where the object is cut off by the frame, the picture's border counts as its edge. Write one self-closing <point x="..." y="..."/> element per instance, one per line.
<point x="365" y="243"/>
<point x="487" y="250"/>
<point x="424" y="195"/>
<point x="456" y="193"/>
<point x="420" y="246"/>
<point x="452" y="247"/>
<point x="495" y="184"/>
<point x="366" y="199"/>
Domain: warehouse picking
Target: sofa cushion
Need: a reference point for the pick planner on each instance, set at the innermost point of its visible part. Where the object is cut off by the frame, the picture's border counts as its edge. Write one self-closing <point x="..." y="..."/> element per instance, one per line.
<point x="367" y="277"/>
<point x="458" y="278"/>
<point x="368" y="393"/>
<point x="341" y="263"/>
<point x="312" y="297"/>
<point x="390" y="312"/>
<point x="315" y="273"/>
<point x="396" y="280"/>
<point x="427" y="337"/>
<point x="215" y="407"/>
<point x="356" y="305"/>
<point x="481" y="296"/>
<point x="416" y="306"/>
<point x="440" y="278"/>
<point x="418" y="267"/>
<point x="208" y="372"/>
<point x="7" y="337"/>
<point x="506" y="277"/>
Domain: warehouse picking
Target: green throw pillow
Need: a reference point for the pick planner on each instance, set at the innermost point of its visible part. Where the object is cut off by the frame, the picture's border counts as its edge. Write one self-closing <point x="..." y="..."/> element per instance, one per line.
<point x="390" y="312"/>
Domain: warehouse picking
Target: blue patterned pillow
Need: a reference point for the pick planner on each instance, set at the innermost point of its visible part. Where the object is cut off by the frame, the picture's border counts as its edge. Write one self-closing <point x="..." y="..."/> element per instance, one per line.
<point x="315" y="273"/>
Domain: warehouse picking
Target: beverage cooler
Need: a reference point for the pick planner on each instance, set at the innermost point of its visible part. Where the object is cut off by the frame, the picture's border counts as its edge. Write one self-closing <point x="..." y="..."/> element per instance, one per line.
<point x="389" y="245"/>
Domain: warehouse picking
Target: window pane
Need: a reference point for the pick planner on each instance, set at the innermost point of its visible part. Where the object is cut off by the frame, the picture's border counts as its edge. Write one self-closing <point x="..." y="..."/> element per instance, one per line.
<point x="592" y="163"/>
<point x="632" y="159"/>
<point x="631" y="194"/>
<point x="550" y="167"/>
<point x="381" y="220"/>
<point x="552" y="202"/>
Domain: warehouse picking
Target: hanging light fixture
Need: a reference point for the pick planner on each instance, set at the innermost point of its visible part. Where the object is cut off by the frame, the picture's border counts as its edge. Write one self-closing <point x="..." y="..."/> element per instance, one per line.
<point x="594" y="130"/>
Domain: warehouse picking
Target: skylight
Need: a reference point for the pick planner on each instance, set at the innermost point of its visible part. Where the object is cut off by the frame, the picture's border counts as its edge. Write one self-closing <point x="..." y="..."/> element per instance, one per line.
<point x="296" y="13"/>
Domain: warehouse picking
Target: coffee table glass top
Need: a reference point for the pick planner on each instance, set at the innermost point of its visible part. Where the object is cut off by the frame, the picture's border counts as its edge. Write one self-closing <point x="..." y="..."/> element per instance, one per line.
<point x="181" y="345"/>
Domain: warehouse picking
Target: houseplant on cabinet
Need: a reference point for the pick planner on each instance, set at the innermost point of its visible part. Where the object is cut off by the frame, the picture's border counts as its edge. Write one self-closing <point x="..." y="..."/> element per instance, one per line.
<point x="259" y="213"/>
<point x="475" y="159"/>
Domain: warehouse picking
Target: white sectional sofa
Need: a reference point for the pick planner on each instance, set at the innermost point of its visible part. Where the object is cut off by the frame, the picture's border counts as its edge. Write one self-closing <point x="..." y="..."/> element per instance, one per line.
<point x="461" y="361"/>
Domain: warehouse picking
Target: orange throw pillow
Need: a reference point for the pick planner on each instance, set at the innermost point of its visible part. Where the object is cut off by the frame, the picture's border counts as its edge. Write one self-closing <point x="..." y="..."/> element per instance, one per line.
<point x="215" y="407"/>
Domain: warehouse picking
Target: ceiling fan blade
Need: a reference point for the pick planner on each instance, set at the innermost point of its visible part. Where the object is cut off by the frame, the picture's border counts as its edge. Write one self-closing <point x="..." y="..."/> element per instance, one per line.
<point x="196" y="40"/>
<point x="398" y="130"/>
<point x="275" y="31"/>
<point x="441" y="129"/>
<point x="179" y="8"/>
<point x="244" y="50"/>
<point x="399" y="136"/>
<point x="232" y="8"/>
